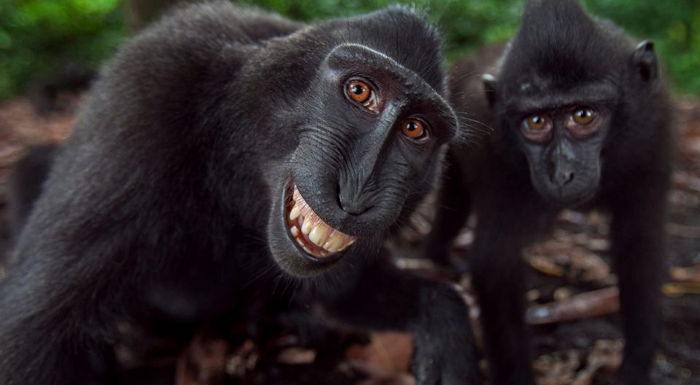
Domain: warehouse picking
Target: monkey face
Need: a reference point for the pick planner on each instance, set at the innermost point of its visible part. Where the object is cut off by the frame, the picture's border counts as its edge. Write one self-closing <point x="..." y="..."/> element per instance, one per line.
<point x="561" y="130"/>
<point x="563" y="148"/>
<point x="370" y="134"/>
<point x="557" y="94"/>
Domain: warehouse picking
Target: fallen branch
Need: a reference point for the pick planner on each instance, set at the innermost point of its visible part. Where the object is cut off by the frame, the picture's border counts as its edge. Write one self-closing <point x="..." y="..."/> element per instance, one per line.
<point x="585" y="305"/>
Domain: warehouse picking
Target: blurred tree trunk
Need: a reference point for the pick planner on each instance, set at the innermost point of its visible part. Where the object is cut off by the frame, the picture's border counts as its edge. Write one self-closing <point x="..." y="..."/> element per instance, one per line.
<point x="141" y="12"/>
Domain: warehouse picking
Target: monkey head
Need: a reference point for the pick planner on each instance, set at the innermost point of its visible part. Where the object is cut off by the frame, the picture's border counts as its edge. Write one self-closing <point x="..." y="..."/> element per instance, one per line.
<point x="564" y="92"/>
<point x="367" y="126"/>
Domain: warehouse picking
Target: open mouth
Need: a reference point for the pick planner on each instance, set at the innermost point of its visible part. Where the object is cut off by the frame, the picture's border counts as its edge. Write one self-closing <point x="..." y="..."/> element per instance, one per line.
<point x="314" y="236"/>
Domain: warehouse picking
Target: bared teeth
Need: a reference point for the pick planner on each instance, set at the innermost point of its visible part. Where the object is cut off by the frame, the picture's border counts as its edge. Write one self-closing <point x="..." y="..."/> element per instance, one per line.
<point x="319" y="234"/>
<point x="294" y="212"/>
<point x="337" y="242"/>
<point x="306" y="227"/>
<point x="314" y="235"/>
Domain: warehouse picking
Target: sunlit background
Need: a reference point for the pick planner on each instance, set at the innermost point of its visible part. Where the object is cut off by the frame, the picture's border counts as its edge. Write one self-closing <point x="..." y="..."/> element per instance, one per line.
<point x="38" y="37"/>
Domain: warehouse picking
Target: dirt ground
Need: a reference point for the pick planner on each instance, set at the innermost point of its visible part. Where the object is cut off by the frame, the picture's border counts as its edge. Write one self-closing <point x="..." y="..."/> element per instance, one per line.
<point x="573" y="301"/>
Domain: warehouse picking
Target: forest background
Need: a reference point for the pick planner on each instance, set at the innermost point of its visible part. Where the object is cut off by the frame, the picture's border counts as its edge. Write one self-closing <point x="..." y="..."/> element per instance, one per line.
<point x="39" y="38"/>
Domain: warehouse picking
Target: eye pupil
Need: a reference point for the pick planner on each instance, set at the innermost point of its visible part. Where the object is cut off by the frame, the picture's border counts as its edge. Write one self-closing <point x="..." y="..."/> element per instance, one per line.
<point x="413" y="128"/>
<point x="536" y="122"/>
<point x="584" y="116"/>
<point x="358" y="91"/>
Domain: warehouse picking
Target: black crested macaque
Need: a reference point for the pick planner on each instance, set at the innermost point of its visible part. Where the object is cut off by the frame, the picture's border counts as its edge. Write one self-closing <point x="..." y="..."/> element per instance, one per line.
<point x="581" y="118"/>
<point x="225" y="155"/>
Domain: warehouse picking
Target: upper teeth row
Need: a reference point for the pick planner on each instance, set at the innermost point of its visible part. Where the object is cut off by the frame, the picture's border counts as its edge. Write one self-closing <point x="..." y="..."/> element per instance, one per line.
<point x="303" y="219"/>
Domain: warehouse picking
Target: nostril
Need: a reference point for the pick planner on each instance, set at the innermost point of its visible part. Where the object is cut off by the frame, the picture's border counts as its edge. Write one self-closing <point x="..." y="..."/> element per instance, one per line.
<point x="351" y="205"/>
<point x="562" y="178"/>
<point x="354" y="210"/>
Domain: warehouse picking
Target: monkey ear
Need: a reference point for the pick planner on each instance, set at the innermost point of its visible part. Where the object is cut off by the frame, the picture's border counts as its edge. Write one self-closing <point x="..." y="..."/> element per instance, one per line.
<point x="644" y="60"/>
<point x="489" y="82"/>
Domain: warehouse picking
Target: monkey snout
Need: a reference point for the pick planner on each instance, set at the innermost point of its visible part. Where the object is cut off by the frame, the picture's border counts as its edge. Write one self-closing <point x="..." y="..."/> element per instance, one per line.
<point x="353" y="208"/>
<point x="352" y="204"/>
<point x="561" y="172"/>
<point x="563" y="177"/>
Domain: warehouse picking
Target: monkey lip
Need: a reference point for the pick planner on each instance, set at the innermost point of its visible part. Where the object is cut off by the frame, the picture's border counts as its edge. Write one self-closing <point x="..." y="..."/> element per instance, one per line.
<point x="311" y="234"/>
<point x="564" y="199"/>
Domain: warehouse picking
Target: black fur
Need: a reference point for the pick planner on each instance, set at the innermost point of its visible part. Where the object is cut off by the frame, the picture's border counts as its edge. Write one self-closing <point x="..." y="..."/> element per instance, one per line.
<point x="560" y="59"/>
<point x="167" y="205"/>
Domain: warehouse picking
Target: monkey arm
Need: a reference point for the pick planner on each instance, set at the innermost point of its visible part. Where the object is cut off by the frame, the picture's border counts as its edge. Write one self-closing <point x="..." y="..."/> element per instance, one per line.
<point x="508" y="220"/>
<point x="52" y="328"/>
<point x="383" y="297"/>
<point x="637" y="247"/>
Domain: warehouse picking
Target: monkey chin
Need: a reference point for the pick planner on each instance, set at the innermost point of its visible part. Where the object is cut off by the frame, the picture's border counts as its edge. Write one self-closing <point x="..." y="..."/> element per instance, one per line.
<point x="301" y="243"/>
<point x="568" y="198"/>
<point x="583" y="189"/>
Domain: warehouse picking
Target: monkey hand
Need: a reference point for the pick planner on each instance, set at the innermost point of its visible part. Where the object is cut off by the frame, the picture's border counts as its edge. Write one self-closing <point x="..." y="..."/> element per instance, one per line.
<point x="382" y="297"/>
<point x="445" y="352"/>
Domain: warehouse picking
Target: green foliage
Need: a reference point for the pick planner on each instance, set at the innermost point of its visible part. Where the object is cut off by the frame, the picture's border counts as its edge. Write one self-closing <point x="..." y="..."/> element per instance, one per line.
<point x="465" y="24"/>
<point x="674" y="26"/>
<point x="39" y="36"/>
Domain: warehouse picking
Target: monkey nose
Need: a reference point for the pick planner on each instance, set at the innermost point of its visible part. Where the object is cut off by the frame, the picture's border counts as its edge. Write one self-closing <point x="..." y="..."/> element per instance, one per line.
<point x="351" y="205"/>
<point x="563" y="177"/>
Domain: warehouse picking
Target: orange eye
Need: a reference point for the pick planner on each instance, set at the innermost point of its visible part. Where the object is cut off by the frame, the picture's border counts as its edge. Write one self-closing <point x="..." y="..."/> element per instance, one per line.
<point x="358" y="91"/>
<point x="413" y="128"/>
<point x="583" y="116"/>
<point x="536" y="122"/>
